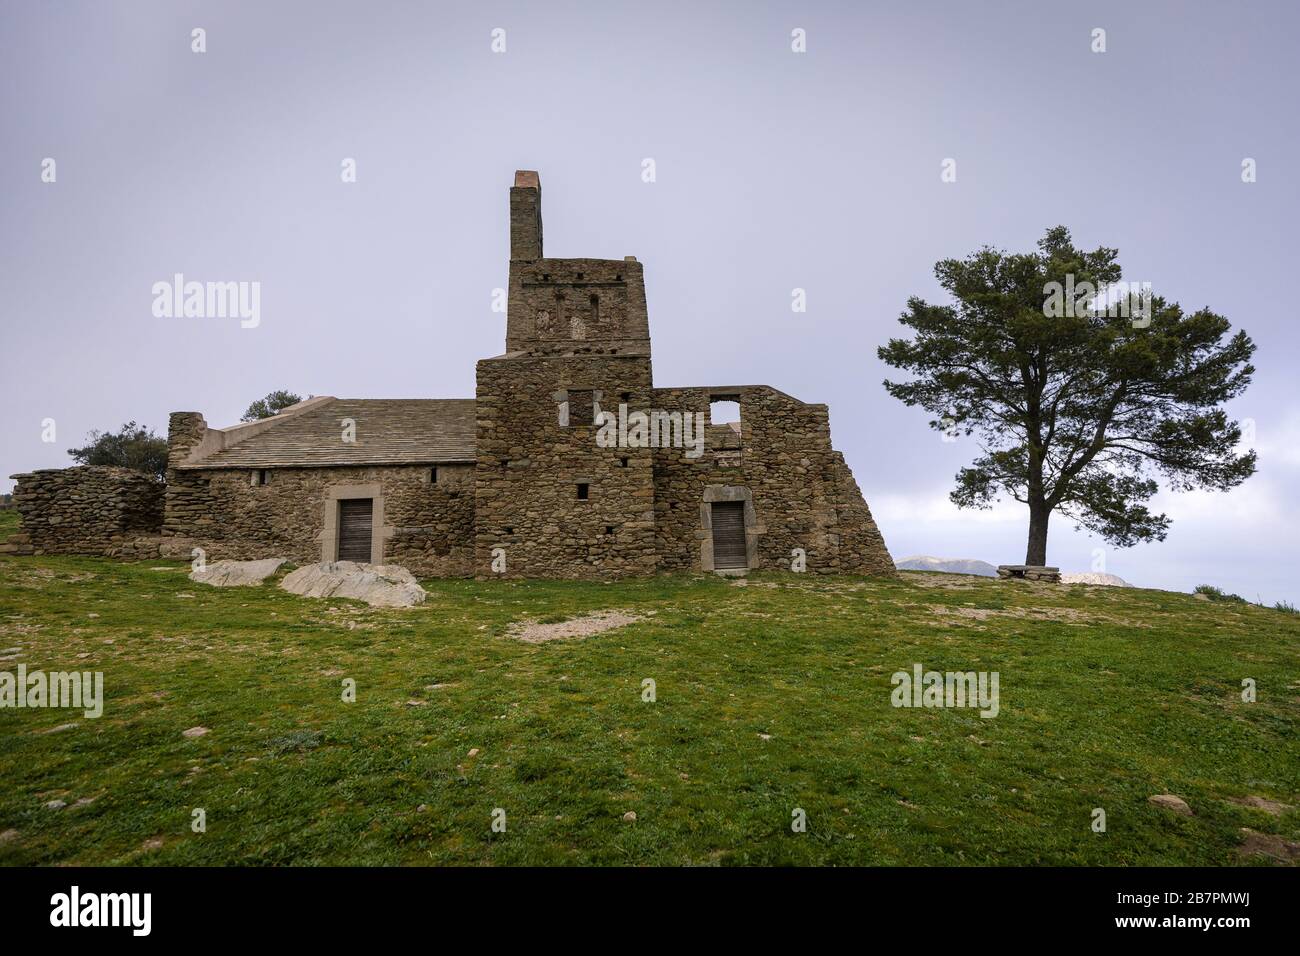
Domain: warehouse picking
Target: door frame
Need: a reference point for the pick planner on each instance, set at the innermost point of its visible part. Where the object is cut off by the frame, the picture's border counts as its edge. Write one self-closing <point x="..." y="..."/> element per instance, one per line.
<point x="379" y="533"/>
<point x="753" y="529"/>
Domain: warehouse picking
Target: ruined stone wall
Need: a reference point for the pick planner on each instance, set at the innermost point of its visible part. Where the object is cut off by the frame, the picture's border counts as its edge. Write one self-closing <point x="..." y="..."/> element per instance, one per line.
<point x="802" y="493"/>
<point x="87" y="509"/>
<point x="429" y="528"/>
<point x="556" y="304"/>
<point x="529" y="467"/>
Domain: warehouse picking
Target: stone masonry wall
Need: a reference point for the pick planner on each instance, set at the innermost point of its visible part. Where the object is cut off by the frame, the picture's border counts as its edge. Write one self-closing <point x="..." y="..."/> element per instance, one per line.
<point x="803" y="494"/>
<point x="529" y="467"/>
<point x="87" y="509"/>
<point x="429" y="528"/>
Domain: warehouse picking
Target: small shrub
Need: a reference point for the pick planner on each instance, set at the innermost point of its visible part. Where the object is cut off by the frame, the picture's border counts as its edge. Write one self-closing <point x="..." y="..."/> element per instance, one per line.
<point x="1216" y="594"/>
<point x="1286" y="607"/>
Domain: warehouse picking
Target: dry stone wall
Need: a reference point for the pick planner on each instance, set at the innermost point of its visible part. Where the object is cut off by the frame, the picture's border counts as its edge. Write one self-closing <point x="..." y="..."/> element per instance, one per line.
<point x="530" y="467"/>
<point x="428" y="527"/>
<point x="802" y="493"/>
<point x="87" y="509"/>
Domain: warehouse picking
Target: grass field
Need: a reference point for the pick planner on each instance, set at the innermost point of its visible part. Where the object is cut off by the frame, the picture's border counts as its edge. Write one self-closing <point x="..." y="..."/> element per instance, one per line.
<point x="772" y="694"/>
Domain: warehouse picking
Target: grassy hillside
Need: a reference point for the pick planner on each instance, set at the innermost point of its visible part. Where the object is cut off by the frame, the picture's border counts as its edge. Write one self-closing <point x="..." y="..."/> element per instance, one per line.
<point x="772" y="694"/>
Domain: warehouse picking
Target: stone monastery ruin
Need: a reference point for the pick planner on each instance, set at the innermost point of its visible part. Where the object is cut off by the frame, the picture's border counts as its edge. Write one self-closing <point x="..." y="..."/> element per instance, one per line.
<point x="568" y="462"/>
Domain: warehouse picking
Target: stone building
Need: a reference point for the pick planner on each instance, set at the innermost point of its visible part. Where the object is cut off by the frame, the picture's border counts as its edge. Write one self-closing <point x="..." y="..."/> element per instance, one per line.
<point x="568" y="462"/>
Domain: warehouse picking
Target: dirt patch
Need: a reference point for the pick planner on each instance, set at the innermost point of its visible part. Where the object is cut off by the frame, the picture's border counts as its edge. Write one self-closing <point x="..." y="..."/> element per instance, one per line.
<point x="1063" y="615"/>
<point x="1270" y="845"/>
<point x="533" y="632"/>
<point x="38" y="577"/>
<point x="949" y="582"/>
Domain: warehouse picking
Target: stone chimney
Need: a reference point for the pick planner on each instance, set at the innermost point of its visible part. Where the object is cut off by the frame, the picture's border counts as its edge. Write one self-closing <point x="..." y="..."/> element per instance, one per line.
<point x="185" y="430"/>
<point x="526" y="216"/>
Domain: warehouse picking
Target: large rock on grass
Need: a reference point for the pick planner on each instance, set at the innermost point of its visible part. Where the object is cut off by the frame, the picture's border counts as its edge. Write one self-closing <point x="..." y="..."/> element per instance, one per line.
<point x="233" y="574"/>
<point x="379" y="585"/>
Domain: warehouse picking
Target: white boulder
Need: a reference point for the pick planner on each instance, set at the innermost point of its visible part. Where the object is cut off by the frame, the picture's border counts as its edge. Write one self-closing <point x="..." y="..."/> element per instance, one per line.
<point x="233" y="574"/>
<point x="1095" y="577"/>
<point x="379" y="585"/>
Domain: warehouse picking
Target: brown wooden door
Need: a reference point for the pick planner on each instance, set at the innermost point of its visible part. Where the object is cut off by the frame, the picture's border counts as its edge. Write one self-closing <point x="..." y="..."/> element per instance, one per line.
<point x="729" y="534"/>
<point x="355" y="519"/>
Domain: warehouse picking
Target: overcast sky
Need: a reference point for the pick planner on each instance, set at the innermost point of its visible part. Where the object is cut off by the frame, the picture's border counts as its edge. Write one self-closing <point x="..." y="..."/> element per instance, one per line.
<point x="774" y="170"/>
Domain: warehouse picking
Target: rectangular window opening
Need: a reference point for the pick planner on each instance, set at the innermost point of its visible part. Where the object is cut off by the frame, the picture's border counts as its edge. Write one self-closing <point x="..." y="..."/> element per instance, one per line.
<point x="725" y="411"/>
<point x="584" y="491"/>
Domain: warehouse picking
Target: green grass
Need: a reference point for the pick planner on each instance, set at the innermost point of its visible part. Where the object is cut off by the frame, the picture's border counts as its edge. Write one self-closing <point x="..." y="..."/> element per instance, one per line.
<point x="1108" y="696"/>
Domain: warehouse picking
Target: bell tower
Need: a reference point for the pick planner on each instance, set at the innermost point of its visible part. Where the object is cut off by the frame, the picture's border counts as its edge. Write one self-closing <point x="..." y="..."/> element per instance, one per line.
<point x="558" y="306"/>
<point x="552" y="498"/>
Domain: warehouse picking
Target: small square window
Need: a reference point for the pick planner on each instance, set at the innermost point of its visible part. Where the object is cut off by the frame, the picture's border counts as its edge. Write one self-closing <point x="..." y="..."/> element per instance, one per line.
<point x="609" y="529"/>
<point x="509" y="529"/>
<point x="261" y="476"/>
<point x="433" y="475"/>
<point x="584" y="491"/>
<point x="622" y="462"/>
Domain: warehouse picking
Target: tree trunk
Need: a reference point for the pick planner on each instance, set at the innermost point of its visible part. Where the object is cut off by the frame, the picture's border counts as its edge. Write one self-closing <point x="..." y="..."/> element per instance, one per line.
<point x="1036" y="551"/>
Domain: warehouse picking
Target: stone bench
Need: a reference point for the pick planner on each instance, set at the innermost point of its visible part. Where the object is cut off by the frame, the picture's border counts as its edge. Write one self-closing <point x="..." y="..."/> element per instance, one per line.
<point x="1030" y="572"/>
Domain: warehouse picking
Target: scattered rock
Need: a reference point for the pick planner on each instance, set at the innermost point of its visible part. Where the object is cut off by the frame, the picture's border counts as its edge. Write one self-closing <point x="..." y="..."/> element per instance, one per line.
<point x="55" y="804"/>
<point x="421" y="808"/>
<point x="195" y="732"/>
<point x="629" y="817"/>
<point x="379" y="585"/>
<point x="1170" y="802"/>
<point x="59" y="729"/>
<point x="153" y="843"/>
<point x="92" y="614"/>
<point x="1270" y="845"/>
<point x="233" y="574"/>
<point x="8" y="836"/>
<point x="473" y="752"/>
<point x="764" y="736"/>
<point x="1273" y="807"/>
<point x="417" y="703"/>
<point x="84" y="802"/>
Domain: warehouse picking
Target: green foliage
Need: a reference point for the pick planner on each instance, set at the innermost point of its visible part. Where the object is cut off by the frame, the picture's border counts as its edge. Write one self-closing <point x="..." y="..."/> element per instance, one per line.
<point x="1286" y="607"/>
<point x="131" y="446"/>
<point x="1216" y="594"/>
<point x="770" y="696"/>
<point x="274" y="403"/>
<point x="1076" y="413"/>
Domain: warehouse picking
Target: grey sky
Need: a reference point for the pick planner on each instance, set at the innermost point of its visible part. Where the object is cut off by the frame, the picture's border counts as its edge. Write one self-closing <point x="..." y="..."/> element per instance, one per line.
<point x="775" y="170"/>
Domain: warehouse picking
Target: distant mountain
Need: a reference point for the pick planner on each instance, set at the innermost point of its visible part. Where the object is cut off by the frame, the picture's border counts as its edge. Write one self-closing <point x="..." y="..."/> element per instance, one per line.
<point x="1095" y="577"/>
<point x="923" y="562"/>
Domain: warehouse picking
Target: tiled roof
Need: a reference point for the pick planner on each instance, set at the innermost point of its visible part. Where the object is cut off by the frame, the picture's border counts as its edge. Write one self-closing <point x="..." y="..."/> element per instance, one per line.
<point x="388" y="432"/>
